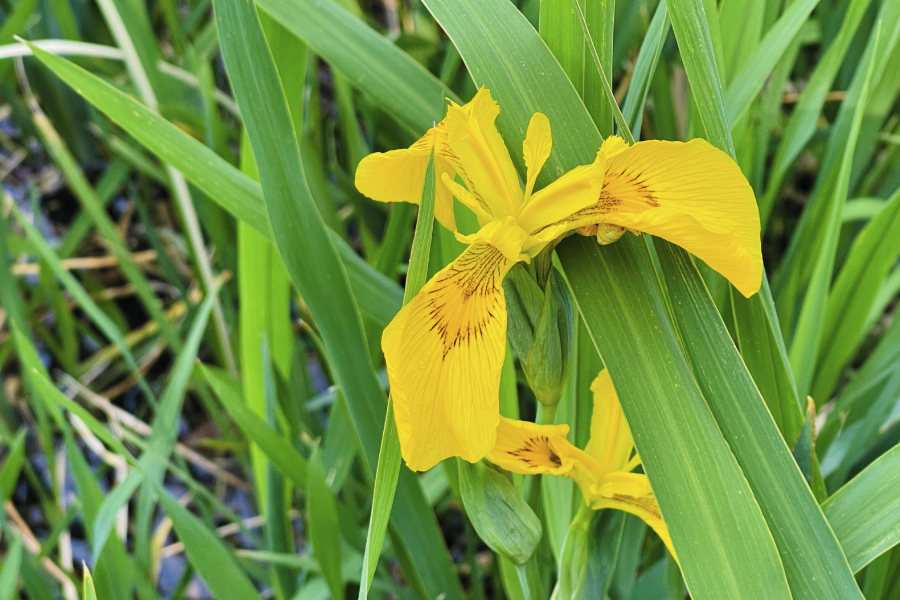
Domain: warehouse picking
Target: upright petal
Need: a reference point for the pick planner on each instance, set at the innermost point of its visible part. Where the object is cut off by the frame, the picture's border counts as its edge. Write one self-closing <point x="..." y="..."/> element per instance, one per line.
<point x="611" y="443"/>
<point x="631" y="492"/>
<point x="529" y="449"/>
<point x="536" y="149"/>
<point x="490" y="173"/>
<point x="690" y="194"/>
<point x="398" y="175"/>
<point x="445" y="350"/>
<point x="577" y="189"/>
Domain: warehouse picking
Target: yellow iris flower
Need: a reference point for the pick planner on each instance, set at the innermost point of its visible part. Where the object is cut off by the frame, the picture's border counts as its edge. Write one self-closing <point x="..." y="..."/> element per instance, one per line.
<point x="603" y="470"/>
<point x="444" y="350"/>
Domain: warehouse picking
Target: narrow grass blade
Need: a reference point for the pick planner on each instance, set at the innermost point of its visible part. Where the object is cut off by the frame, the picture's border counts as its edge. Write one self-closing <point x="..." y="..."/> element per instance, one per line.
<point x="279" y="451"/>
<point x="103" y="322"/>
<point x="747" y="83"/>
<point x="322" y="522"/>
<point x="806" y="340"/>
<point x="645" y="67"/>
<point x="165" y="429"/>
<point x="9" y="574"/>
<point x="214" y="562"/>
<point x="619" y="296"/>
<point x="865" y="513"/>
<point x="624" y="131"/>
<point x="815" y="566"/>
<point x="236" y="193"/>
<point x="313" y="263"/>
<point x="388" y="469"/>
<point x="803" y="121"/>
<point x="371" y="62"/>
<point x="696" y="46"/>
<point x="92" y="205"/>
<point x="89" y="593"/>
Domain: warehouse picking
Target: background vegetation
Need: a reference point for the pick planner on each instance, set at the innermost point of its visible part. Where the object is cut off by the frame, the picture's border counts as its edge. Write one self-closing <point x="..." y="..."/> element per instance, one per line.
<point x="193" y="393"/>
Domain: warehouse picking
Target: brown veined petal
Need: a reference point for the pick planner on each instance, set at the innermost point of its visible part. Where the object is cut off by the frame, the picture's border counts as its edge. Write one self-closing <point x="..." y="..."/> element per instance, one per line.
<point x="398" y="175"/>
<point x="529" y="449"/>
<point x="690" y="194"/>
<point x="611" y="443"/>
<point x="474" y="139"/>
<point x="631" y="492"/>
<point x="444" y="352"/>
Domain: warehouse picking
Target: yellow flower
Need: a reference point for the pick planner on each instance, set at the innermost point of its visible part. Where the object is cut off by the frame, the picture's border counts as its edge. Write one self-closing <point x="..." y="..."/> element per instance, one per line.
<point x="603" y="470"/>
<point x="444" y="350"/>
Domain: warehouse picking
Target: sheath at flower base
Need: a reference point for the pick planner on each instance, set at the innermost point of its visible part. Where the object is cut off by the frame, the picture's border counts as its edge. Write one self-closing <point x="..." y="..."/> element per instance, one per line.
<point x="603" y="470"/>
<point x="444" y="350"/>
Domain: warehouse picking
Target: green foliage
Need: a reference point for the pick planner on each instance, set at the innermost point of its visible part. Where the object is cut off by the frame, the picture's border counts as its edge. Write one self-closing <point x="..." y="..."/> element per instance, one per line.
<point x="184" y="185"/>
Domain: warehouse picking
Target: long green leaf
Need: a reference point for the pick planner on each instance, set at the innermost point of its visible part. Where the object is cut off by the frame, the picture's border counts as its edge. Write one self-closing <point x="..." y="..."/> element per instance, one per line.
<point x="621" y="301"/>
<point x="235" y="192"/>
<point x="865" y="513"/>
<point x="206" y="552"/>
<point x="750" y="80"/>
<point x="279" y="451"/>
<point x="388" y="468"/>
<point x="806" y="340"/>
<point x="813" y="561"/>
<point x="371" y="62"/>
<point x="314" y="265"/>
<point x="165" y="429"/>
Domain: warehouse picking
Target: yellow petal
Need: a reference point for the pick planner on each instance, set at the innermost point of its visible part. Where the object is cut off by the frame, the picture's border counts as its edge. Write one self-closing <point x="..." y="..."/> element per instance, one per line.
<point x="536" y="149"/>
<point x="489" y="170"/>
<point x="692" y="195"/>
<point x="399" y="175"/>
<point x="577" y="189"/>
<point x="528" y="448"/>
<point x="444" y="352"/>
<point x="611" y="443"/>
<point x="631" y="492"/>
<point x="612" y="146"/>
<point x="468" y="199"/>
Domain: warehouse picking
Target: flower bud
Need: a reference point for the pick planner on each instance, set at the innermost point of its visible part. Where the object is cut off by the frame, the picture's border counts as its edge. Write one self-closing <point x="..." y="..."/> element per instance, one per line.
<point x="541" y="330"/>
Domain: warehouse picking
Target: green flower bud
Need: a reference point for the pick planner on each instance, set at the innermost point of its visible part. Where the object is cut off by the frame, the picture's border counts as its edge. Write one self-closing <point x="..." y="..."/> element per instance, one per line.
<point x="498" y="512"/>
<point x="540" y="329"/>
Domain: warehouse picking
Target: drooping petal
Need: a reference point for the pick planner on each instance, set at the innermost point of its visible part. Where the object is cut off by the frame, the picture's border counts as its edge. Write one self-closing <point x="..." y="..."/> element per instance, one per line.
<point x="574" y="191"/>
<point x="474" y="139"/>
<point x="444" y="352"/>
<point x="529" y="449"/>
<point x="536" y="149"/>
<point x="398" y="175"/>
<point x="631" y="492"/>
<point x="690" y="194"/>
<point x="611" y="443"/>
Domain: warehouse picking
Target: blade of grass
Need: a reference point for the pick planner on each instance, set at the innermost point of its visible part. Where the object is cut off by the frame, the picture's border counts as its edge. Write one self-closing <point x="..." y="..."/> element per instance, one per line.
<point x="807" y="338"/>
<point x="315" y="268"/>
<point x="93" y="206"/>
<point x="236" y="193"/>
<point x="865" y="513"/>
<point x="624" y="131"/>
<point x="103" y="322"/>
<point x="873" y="253"/>
<point x="674" y="431"/>
<point x="645" y="67"/>
<point x="803" y="121"/>
<point x="165" y="431"/>
<point x="813" y="561"/>
<point x="323" y="526"/>
<point x="388" y="469"/>
<point x="371" y="62"/>
<point x="278" y="449"/>
<point x="214" y="562"/>
<point x="748" y="82"/>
